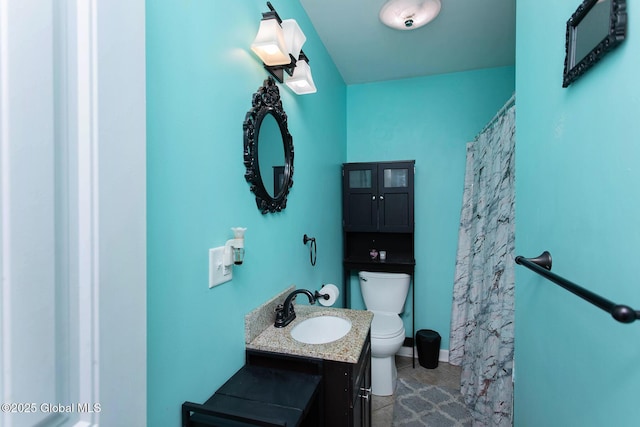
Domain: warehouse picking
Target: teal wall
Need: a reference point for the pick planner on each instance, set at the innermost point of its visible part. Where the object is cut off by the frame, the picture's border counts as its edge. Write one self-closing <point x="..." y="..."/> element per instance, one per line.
<point x="576" y="164"/>
<point x="577" y="175"/>
<point x="201" y="75"/>
<point x="429" y="119"/>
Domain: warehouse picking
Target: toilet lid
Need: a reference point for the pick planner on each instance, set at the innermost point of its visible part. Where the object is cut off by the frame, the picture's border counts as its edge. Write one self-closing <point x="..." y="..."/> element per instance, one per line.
<point x="386" y="325"/>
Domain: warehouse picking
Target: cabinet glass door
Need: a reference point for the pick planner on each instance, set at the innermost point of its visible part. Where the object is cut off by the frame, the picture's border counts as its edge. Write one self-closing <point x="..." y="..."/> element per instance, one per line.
<point x="395" y="203"/>
<point x="394" y="178"/>
<point x="360" y="197"/>
<point x="360" y="178"/>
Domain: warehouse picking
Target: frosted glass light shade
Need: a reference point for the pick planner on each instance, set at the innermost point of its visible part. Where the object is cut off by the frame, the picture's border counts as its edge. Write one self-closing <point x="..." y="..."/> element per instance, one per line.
<point x="301" y="81"/>
<point x="269" y="43"/>
<point x="409" y="14"/>
<point x="293" y="37"/>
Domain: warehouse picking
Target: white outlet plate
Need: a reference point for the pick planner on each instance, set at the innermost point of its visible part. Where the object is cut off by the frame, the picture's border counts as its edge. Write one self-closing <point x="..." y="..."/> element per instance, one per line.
<point x="218" y="274"/>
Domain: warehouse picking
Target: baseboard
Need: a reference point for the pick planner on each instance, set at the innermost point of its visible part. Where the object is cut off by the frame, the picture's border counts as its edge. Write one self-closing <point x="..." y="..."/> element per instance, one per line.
<point x="406" y="352"/>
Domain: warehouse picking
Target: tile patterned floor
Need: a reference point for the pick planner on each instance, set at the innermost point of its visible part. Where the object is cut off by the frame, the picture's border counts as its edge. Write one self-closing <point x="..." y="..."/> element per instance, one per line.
<point x="445" y="375"/>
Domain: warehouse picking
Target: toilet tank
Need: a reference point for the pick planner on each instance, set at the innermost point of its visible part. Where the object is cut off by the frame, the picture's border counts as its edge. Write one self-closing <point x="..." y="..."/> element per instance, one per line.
<point x="384" y="291"/>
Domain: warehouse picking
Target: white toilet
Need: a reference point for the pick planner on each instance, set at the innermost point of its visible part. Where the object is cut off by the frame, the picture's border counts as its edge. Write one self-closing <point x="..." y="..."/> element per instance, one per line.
<point x="384" y="294"/>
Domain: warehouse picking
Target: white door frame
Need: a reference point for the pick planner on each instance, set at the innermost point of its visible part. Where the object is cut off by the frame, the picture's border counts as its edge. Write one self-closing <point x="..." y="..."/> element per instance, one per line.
<point x="85" y="67"/>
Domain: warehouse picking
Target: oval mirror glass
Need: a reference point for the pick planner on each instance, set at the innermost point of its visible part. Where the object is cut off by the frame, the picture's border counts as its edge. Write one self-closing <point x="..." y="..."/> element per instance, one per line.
<point x="271" y="155"/>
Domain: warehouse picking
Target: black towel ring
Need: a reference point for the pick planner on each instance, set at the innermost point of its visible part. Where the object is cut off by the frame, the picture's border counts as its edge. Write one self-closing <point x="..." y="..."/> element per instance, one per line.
<point x="312" y="248"/>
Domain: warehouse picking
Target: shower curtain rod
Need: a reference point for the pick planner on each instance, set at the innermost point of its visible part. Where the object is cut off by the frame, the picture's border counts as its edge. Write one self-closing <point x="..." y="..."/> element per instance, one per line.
<point x="499" y="114"/>
<point x="542" y="265"/>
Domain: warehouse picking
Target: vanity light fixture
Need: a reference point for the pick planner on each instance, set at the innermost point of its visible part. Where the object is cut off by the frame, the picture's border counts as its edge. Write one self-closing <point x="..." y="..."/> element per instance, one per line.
<point x="301" y="81"/>
<point x="279" y="45"/>
<point x="269" y="42"/>
<point x="409" y="14"/>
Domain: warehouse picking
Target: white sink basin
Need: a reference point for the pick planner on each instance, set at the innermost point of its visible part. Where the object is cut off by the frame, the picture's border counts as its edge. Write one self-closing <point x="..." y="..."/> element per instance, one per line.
<point x="321" y="329"/>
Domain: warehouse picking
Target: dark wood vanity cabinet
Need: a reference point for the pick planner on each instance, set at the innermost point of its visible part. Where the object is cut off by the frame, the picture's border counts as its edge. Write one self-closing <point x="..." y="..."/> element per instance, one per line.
<point x="348" y="390"/>
<point x="378" y="197"/>
<point x="344" y="398"/>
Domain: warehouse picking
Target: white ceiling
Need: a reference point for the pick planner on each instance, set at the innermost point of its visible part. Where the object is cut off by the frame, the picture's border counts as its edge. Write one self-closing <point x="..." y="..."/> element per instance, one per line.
<point x="466" y="35"/>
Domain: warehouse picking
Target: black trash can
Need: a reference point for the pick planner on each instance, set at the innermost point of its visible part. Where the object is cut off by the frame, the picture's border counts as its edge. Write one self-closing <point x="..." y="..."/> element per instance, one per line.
<point x="428" y="344"/>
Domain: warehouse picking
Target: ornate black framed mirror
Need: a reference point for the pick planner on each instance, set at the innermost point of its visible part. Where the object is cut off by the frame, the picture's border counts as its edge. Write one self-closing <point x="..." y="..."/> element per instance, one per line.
<point x="268" y="149"/>
<point x="596" y="27"/>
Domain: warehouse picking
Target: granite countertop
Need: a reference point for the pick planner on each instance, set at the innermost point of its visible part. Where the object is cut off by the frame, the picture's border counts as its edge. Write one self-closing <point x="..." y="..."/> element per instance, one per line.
<point x="346" y="349"/>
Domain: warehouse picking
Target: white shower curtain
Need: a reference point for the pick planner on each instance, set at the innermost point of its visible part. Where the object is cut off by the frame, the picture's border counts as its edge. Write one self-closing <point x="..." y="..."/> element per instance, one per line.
<point x="483" y="298"/>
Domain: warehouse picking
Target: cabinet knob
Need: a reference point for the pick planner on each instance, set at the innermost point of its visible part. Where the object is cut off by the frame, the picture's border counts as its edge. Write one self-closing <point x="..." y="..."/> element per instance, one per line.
<point x="373" y="197"/>
<point x="381" y="197"/>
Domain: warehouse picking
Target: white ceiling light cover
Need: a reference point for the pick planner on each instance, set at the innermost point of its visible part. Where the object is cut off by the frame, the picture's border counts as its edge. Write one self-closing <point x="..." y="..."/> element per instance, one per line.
<point x="409" y="14"/>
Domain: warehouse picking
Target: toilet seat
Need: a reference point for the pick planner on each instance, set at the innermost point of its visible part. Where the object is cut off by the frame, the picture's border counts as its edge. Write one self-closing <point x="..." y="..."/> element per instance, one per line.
<point x="386" y="325"/>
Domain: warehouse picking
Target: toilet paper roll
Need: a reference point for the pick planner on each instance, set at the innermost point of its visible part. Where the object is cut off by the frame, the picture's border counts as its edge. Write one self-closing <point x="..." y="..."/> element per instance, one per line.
<point x="333" y="292"/>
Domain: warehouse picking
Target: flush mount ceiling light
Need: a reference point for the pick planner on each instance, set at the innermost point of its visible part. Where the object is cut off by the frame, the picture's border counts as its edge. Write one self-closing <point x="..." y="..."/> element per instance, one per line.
<point x="279" y="45"/>
<point x="409" y="14"/>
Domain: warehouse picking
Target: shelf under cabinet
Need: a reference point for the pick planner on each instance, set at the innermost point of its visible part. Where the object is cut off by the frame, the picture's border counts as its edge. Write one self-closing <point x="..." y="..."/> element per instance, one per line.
<point x="391" y="266"/>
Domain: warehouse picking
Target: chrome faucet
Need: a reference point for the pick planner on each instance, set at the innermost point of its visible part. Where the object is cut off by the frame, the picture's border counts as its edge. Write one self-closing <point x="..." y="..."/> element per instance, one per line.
<point x="285" y="312"/>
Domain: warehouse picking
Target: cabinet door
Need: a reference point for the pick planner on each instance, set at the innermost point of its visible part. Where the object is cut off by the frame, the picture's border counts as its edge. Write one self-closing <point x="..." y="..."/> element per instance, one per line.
<point x="395" y="196"/>
<point x="366" y="409"/>
<point x="360" y="197"/>
<point x="362" y="406"/>
<point x="362" y="389"/>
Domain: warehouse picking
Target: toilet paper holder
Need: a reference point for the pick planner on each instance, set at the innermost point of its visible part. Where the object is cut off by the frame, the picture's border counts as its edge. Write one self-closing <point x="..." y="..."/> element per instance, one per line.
<point x="318" y="296"/>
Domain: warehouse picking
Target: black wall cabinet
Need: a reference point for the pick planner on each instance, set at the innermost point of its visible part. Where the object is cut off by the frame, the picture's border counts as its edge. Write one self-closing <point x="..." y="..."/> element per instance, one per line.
<point x="378" y="197"/>
<point x="378" y="202"/>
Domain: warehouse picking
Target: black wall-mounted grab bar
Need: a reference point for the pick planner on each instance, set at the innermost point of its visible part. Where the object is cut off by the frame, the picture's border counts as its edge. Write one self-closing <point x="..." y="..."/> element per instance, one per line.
<point x="542" y="266"/>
